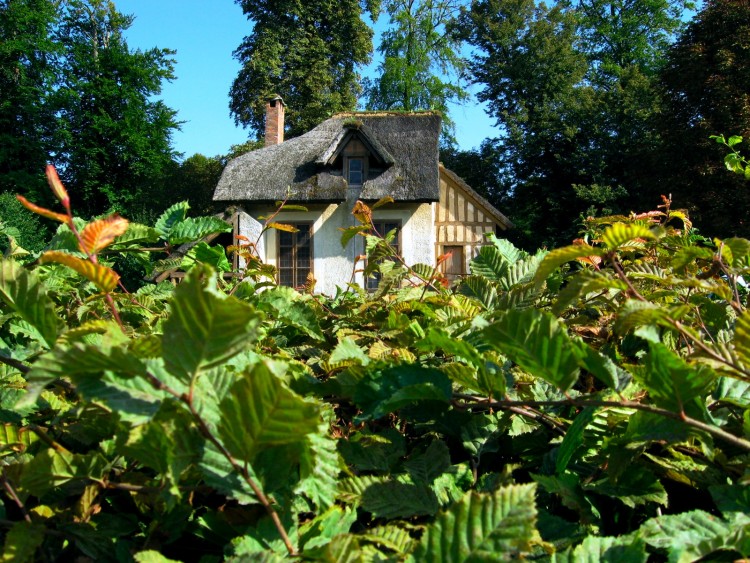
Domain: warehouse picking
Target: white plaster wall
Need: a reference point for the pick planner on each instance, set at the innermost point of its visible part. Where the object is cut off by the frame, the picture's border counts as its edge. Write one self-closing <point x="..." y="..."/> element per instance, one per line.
<point x="250" y="227"/>
<point x="333" y="265"/>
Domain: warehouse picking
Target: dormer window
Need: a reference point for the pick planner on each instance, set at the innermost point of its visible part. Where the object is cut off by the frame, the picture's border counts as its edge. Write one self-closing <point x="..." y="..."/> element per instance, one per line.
<point x="355" y="170"/>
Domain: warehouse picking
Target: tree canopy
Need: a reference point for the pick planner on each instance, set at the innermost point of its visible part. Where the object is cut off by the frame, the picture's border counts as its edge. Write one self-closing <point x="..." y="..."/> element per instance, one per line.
<point x="309" y="53"/>
<point x="422" y="63"/>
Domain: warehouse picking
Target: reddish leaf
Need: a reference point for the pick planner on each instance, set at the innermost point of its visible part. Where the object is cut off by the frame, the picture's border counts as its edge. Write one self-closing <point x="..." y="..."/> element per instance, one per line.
<point x="57" y="186"/>
<point x="100" y="233"/>
<point x="41" y="210"/>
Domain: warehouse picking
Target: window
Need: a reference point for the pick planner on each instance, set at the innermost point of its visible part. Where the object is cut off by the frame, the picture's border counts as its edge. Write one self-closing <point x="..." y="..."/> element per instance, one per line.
<point x="453" y="267"/>
<point x="355" y="171"/>
<point x="382" y="228"/>
<point x="295" y="255"/>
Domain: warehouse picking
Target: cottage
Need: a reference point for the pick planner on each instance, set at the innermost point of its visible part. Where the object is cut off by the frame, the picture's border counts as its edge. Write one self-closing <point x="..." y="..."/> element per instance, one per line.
<point x="350" y="157"/>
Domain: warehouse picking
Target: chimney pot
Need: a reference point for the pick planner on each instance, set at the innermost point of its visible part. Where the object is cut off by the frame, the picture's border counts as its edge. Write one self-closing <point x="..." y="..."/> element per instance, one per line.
<point x="274" y="121"/>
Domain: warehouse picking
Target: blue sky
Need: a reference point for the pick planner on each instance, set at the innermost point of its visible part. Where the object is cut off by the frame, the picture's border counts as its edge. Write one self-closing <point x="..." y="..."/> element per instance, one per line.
<point x="204" y="33"/>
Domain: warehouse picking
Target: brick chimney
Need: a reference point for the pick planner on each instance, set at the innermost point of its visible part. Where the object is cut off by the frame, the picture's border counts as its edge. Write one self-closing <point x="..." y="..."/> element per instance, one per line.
<point x="274" y="121"/>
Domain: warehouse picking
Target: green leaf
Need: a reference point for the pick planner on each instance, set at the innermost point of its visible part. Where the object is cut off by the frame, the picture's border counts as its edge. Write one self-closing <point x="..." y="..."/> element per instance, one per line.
<point x="507" y="249"/>
<point x="205" y="328"/>
<point x="484" y="380"/>
<point x="346" y="351"/>
<point x="171" y="217"/>
<point x="739" y="252"/>
<point x="742" y="337"/>
<point x="573" y="438"/>
<point x="152" y="556"/>
<point x="601" y="366"/>
<point x="382" y="393"/>
<point x="350" y="232"/>
<point x="521" y="272"/>
<point x="168" y="444"/>
<point x="482" y="527"/>
<point x="429" y="465"/>
<point x="734" y="140"/>
<point x="594" y="549"/>
<point x="619" y="235"/>
<point x="490" y="263"/>
<point x="671" y="382"/>
<point x="22" y="291"/>
<point x="560" y="256"/>
<point x="395" y="499"/>
<point x="22" y="541"/>
<point x="288" y="307"/>
<point x="537" y="342"/>
<point x="194" y="229"/>
<point x="136" y="233"/>
<point x="260" y="412"/>
<point x="52" y="468"/>
<point x="323" y="528"/>
<point x="212" y="255"/>
<point x="365" y="451"/>
<point x="481" y="289"/>
<point x="320" y="465"/>
<point x="634" y="487"/>
<point x="690" y="536"/>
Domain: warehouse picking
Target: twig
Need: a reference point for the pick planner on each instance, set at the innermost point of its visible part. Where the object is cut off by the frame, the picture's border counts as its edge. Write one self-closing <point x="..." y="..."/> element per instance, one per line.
<point x="14" y="364"/>
<point x="682" y="417"/>
<point x="12" y="492"/>
<point x="239" y="468"/>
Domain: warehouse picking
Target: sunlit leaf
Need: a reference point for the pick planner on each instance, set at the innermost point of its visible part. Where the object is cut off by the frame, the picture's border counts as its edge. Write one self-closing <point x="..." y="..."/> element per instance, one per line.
<point x="99" y="234"/>
<point x="21" y="290"/>
<point x="103" y="277"/>
<point x="489" y="527"/>
<point x="538" y="343"/>
<point x="205" y="327"/>
<point x="261" y="412"/>
<point x="560" y="256"/>
<point x="41" y="210"/>
<point x="621" y="234"/>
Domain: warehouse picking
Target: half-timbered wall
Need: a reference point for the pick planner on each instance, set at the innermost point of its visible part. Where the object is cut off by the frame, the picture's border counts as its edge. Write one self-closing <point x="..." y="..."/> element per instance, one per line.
<point x="461" y="221"/>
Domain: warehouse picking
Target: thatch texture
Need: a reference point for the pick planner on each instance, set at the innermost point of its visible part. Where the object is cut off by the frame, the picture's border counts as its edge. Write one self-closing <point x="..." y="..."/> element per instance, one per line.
<point x="297" y="169"/>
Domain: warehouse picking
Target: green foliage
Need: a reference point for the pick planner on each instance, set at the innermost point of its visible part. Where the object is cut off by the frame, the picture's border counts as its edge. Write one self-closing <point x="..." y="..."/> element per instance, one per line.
<point x="576" y="96"/>
<point x="308" y="53"/>
<point x="589" y="403"/>
<point x="74" y="92"/>
<point x="421" y="64"/>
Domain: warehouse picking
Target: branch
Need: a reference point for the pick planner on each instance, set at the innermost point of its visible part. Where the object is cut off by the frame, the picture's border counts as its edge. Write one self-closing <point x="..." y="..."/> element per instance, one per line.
<point x="12" y="493"/>
<point x="714" y="431"/>
<point x="242" y="470"/>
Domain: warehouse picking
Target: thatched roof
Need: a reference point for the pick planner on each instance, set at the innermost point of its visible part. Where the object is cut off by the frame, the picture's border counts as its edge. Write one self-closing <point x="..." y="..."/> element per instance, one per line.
<point x="405" y="145"/>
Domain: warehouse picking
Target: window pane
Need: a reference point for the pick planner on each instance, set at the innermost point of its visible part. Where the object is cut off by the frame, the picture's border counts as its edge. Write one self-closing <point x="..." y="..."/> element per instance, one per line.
<point x="355" y="171"/>
<point x="295" y="255"/>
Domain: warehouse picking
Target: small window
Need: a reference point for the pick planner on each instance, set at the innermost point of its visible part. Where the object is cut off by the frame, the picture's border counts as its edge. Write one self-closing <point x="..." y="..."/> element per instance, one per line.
<point x="382" y="228"/>
<point x="356" y="171"/>
<point x="295" y="255"/>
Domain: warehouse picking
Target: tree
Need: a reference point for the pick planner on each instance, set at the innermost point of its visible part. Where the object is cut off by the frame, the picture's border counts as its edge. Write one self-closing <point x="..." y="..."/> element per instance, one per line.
<point x="27" y="73"/>
<point x="306" y="52"/>
<point x="706" y="85"/>
<point x="421" y="59"/>
<point x="573" y="90"/>
<point x="114" y="146"/>
<point x="194" y="180"/>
